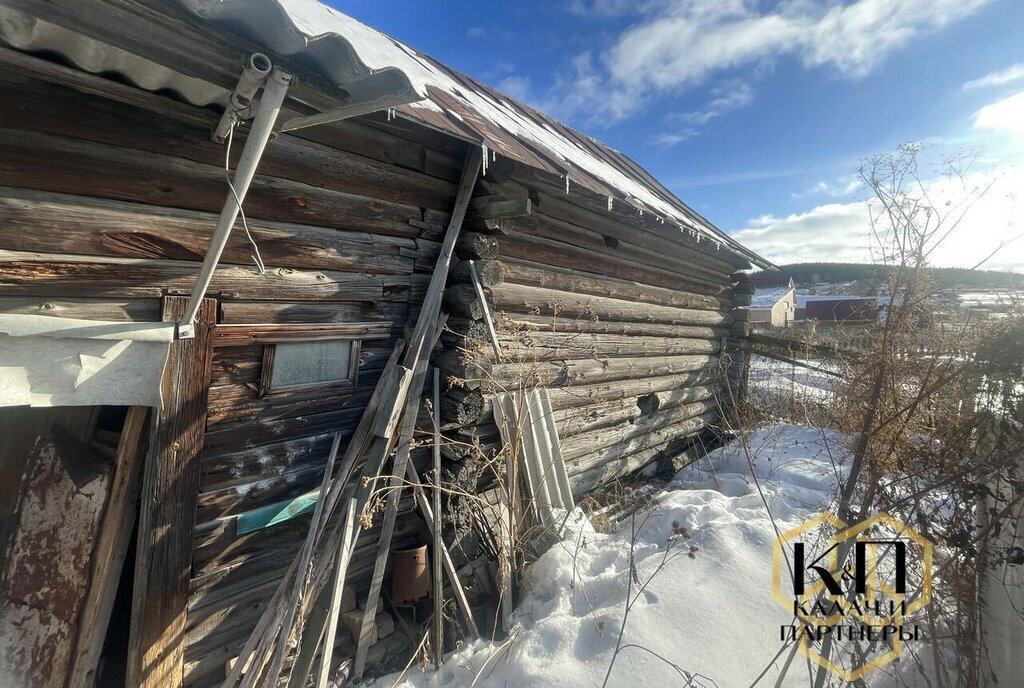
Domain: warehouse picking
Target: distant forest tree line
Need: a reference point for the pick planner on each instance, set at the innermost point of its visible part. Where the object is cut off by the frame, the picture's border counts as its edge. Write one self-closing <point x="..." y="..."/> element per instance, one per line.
<point x="807" y="274"/>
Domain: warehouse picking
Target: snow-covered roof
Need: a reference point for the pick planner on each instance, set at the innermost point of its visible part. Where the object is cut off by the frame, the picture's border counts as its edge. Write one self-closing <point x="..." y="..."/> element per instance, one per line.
<point x="803" y="299"/>
<point x="766" y="298"/>
<point x="346" y="50"/>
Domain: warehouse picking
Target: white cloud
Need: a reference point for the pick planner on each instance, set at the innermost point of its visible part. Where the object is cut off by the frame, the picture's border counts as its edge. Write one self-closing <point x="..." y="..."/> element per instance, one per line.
<point x="1003" y="115"/>
<point x="517" y="87"/>
<point x="844" y="186"/>
<point x="668" y="139"/>
<point x="726" y="97"/>
<point x="477" y="32"/>
<point x="1003" y="76"/>
<point x="680" y="44"/>
<point x="840" y="232"/>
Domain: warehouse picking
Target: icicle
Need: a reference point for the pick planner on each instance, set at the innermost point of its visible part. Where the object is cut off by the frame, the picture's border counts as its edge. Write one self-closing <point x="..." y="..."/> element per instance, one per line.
<point x="483" y="146"/>
<point x="610" y="204"/>
<point x="566" y="183"/>
<point x="391" y="114"/>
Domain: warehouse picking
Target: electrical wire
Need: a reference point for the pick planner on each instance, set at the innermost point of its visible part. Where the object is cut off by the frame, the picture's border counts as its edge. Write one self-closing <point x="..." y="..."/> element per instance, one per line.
<point x="255" y="255"/>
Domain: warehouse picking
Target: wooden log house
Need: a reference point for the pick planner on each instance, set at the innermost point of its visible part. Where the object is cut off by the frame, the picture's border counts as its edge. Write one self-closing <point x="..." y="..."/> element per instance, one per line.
<point x="155" y="482"/>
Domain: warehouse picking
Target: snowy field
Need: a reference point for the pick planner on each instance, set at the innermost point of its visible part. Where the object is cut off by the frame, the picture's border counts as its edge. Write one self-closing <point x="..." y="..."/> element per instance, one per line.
<point x="708" y="611"/>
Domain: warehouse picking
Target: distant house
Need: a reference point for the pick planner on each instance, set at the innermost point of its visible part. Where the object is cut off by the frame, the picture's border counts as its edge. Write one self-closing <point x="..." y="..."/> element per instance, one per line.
<point x="838" y="310"/>
<point x="774" y="301"/>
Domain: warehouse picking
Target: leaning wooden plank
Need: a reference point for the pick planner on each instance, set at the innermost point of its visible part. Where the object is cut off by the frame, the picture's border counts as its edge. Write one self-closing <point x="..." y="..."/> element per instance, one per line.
<point x="478" y="287"/>
<point x="408" y="425"/>
<point x="170" y="488"/>
<point x="305" y="559"/>
<point x="437" y="640"/>
<point x="110" y="550"/>
<point x="336" y="594"/>
<point x="417" y="361"/>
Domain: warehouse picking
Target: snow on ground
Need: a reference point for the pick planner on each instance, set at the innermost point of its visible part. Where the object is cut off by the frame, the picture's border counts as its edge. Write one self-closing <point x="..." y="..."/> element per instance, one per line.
<point x="774" y="380"/>
<point x="710" y="613"/>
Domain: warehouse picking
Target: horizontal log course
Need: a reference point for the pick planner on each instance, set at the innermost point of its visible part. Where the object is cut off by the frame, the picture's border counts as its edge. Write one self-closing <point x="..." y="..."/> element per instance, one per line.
<point x="536" y="274"/>
<point x="635" y="228"/>
<point x="525" y="247"/>
<point x="673" y="258"/>
<point x="286" y="157"/>
<point x="613" y="452"/>
<point x="93" y="276"/>
<point x="95" y="169"/>
<point x="48" y="222"/>
<point x="588" y="446"/>
<point x="628" y="411"/>
<point x="537" y="301"/>
<point x="463" y="406"/>
<point x="576" y="372"/>
<point x="680" y="449"/>
<point x="516" y="322"/>
<point x="551" y="346"/>
<point x="114" y="309"/>
<point x="297" y="312"/>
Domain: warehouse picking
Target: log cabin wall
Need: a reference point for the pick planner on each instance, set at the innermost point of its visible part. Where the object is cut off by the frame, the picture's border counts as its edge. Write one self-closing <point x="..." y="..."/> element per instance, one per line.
<point x="107" y="208"/>
<point x="638" y="336"/>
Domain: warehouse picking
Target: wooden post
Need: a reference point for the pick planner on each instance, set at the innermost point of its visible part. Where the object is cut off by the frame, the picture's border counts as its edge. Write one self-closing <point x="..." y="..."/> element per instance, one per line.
<point x="170" y="490"/>
<point x="110" y="550"/>
<point x="438" y="638"/>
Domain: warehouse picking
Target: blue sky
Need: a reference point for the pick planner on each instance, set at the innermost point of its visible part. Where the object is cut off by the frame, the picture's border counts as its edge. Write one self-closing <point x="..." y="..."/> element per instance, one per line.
<point x="757" y="114"/>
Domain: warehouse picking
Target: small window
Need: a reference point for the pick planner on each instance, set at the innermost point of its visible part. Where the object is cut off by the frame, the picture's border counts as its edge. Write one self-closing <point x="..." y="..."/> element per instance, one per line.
<point x="308" y="363"/>
<point x="291" y="366"/>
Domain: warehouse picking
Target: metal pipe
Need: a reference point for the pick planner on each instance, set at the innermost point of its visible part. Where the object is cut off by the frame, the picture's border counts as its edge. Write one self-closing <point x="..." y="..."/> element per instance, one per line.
<point x="267" y="109"/>
<point x="257" y="69"/>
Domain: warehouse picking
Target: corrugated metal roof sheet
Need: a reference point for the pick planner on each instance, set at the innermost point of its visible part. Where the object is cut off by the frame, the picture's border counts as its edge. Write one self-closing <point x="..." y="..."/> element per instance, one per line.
<point x="344" y="49"/>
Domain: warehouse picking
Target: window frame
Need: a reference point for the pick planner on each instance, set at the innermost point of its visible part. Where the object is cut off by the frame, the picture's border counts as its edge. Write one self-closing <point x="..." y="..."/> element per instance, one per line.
<point x="267" y="370"/>
<point x="269" y="336"/>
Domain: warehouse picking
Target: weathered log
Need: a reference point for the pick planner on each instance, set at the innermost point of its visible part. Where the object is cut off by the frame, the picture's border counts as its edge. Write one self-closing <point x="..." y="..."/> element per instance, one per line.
<point x="548" y="346"/>
<point x="614" y="452"/>
<point x="490" y="272"/>
<point x="536" y="274"/>
<point x="462" y="406"/>
<point x="93" y="276"/>
<point x="142" y="310"/>
<point x="514" y="323"/>
<point x="596" y="217"/>
<point x="682" y="260"/>
<point x="526" y="247"/>
<point x="95" y="169"/>
<point x="60" y="223"/>
<point x="476" y="246"/>
<point x="588" y="446"/>
<point x="518" y="298"/>
<point x="239" y="312"/>
<point x="47" y="109"/>
<point x="627" y="411"/>
<point x="577" y="372"/>
<point x="680" y="450"/>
